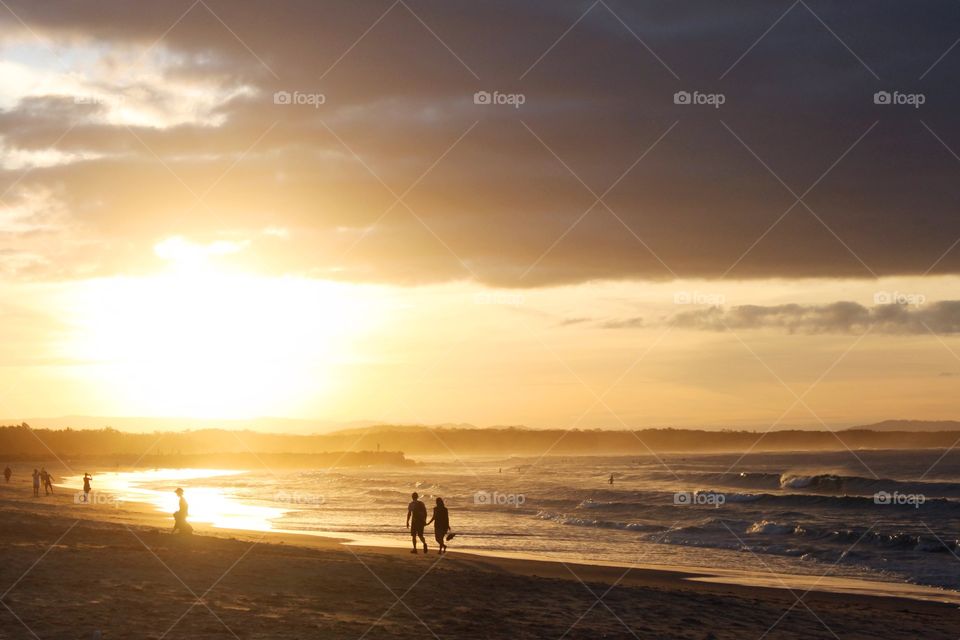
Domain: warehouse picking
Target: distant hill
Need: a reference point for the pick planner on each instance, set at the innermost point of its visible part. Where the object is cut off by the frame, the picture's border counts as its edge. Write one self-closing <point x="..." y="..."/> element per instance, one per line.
<point x="374" y="428"/>
<point x="394" y="444"/>
<point x="135" y="424"/>
<point x="910" y="425"/>
<point x="369" y="428"/>
<point x="496" y="441"/>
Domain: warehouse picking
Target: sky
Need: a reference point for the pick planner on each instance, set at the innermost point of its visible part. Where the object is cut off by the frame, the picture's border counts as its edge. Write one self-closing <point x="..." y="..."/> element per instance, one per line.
<point x="578" y="214"/>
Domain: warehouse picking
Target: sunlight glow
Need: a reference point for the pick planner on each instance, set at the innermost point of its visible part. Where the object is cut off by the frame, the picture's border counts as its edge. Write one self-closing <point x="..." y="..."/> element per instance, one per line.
<point x="203" y="341"/>
<point x="208" y="505"/>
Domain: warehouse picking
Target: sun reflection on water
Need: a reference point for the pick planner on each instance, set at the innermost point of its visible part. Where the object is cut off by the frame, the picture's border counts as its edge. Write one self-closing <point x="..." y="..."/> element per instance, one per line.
<point x="208" y="504"/>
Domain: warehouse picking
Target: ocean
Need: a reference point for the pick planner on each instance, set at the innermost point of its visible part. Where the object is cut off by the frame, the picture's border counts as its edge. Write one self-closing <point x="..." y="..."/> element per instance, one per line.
<point x="889" y="516"/>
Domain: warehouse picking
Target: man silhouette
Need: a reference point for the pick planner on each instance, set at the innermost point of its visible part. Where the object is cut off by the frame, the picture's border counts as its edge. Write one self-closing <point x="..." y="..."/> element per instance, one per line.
<point x="416" y="521"/>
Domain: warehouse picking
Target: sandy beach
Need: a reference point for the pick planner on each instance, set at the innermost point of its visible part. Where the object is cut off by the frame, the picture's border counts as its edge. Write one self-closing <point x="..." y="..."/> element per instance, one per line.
<point x="654" y="306"/>
<point x="72" y="570"/>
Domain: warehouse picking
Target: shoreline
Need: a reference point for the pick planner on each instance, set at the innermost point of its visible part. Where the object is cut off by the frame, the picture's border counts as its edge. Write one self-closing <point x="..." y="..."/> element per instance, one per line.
<point x="146" y="514"/>
<point x="119" y="570"/>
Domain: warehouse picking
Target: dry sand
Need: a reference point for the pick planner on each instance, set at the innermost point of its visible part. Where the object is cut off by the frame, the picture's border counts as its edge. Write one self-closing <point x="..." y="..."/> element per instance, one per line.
<point x="70" y="570"/>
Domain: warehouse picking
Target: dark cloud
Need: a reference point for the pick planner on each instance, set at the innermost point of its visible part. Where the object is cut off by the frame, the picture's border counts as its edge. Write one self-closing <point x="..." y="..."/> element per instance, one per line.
<point x="499" y="206"/>
<point x="838" y="317"/>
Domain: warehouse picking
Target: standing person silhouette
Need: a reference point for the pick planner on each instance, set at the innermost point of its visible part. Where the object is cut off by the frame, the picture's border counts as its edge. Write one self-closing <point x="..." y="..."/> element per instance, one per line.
<point x="86" y="486"/>
<point x="36" y="483"/>
<point x="441" y="524"/>
<point x="180" y="523"/>
<point x="48" y="484"/>
<point x="416" y="521"/>
<point x="7" y="473"/>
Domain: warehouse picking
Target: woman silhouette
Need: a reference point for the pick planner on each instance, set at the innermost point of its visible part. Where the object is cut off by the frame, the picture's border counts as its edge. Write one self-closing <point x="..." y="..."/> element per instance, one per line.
<point x="441" y="524"/>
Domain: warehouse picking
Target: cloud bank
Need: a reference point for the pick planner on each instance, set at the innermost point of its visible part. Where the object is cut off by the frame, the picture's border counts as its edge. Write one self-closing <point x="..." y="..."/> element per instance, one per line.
<point x="838" y="317"/>
<point x="119" y="134"/>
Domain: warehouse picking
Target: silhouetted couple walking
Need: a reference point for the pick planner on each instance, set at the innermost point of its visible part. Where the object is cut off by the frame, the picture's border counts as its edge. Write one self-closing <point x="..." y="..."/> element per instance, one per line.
<point x="39" y="477"/>
<point x="417" y="522"/>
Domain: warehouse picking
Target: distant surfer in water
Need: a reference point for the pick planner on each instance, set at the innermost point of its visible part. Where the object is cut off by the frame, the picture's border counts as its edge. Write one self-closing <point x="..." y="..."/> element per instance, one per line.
<point x="416" y="521"/>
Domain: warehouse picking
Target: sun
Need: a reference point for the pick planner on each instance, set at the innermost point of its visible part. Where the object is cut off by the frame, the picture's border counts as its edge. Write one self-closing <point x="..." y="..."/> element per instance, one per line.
<point x="202" y="341"/>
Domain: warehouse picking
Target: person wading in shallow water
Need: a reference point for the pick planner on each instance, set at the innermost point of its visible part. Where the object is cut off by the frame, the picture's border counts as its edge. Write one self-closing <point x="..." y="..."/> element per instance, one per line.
<point x="180" y="524"/>
<point x="416" y="521"/>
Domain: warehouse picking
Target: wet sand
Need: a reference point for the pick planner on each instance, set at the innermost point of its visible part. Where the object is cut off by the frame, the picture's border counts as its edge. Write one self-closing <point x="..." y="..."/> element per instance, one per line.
<point x="70" y="570"/>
